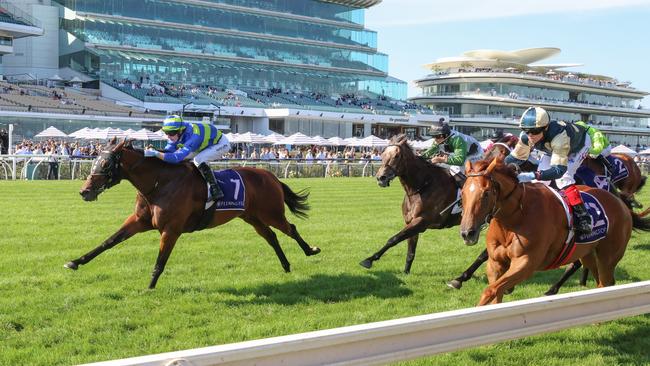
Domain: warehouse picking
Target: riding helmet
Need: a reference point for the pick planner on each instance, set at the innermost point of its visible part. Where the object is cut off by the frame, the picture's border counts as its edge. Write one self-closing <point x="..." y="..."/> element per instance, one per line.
<point x="534" y="117"/>
<point x="173" y="123"/>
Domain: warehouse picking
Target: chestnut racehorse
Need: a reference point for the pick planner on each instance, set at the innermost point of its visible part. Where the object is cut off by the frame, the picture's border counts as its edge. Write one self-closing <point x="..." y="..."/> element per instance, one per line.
<point x="171" y="199"/>
<point x="429" y="192"/>
<point x="528" y="228"/>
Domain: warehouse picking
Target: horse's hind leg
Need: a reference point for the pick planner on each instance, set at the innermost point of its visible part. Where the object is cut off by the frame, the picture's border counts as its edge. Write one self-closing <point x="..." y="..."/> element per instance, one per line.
<point x="293" y="233"/>
<point x="130" y="227"/>
<point x="410" y="252"/>
<point x="265" y="231"/>
<point x="457" y="282"/>
<point x="570" y="270"/>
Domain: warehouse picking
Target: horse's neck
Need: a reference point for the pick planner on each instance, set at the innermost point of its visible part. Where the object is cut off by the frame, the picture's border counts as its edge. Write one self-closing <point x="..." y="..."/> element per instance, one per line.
<point x="515" y="202"/>
<point x="418" y="173"/>
<point x="148" y="174"/>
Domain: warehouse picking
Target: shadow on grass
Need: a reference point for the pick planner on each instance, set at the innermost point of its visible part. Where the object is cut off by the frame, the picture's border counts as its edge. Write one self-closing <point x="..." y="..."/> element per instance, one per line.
<point x="323" y="288"/>
<point x="640" y="247"/>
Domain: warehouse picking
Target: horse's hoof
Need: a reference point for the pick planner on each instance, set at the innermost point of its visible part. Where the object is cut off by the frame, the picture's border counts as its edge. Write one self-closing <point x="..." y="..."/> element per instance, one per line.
<point x="315" y="250"/>
<point x="71" y="265"/>
<point x="367" y="263"/>
<point x="551" y="292"/>
<point x="455" y="284"/>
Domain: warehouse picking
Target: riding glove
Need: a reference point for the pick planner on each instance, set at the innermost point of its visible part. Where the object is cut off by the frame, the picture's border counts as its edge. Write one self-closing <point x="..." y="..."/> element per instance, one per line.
<point x="150" y="153"/>
<point x="526" y="177"/>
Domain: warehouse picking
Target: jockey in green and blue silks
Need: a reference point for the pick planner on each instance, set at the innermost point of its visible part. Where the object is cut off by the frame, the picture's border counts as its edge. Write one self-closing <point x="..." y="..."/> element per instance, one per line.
<point x="564" y="146"/>
<point x="201" y="142"/>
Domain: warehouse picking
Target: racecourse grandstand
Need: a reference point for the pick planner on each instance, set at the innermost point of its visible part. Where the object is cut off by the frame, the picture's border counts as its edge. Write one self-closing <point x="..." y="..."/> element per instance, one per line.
<point x="249" y="66"/>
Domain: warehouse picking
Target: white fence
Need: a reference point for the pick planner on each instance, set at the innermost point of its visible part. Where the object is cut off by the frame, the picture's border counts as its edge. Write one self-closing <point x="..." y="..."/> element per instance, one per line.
<point x="36" y="166"/>
<point x="408" y="338"/>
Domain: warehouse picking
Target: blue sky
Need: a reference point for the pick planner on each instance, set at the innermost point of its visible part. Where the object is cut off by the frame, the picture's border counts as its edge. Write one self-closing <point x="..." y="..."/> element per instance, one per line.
<point x="609" y="37"/>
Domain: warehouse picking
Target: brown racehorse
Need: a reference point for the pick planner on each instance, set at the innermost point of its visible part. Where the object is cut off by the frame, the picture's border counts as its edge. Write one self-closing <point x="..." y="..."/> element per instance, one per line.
<point x="628" y="186"/>
<point x="429" y="190"/>
<point x="528" y="228"/>
<point x="171" y="199"/>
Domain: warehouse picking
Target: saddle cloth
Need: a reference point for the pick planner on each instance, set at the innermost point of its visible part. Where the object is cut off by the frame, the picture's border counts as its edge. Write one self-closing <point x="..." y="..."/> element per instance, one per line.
<point x="589" y="178"/>
<point x="599" y="229"/>
<point x="234" y="191"/>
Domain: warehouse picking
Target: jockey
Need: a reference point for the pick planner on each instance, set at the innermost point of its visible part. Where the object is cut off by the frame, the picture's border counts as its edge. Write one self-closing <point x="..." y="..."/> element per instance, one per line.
<point x="200" y="141"/>
<point x="565" y="146"/>
<point x="600" y="147"/>
<point x="452" y="148"/>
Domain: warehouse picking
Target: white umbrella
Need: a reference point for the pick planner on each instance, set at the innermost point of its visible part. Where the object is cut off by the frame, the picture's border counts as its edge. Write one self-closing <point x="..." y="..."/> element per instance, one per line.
<point x="372" y="141"/>
<point x="321" y="141"/>
<point x="550" y="72"/>
<point x="51" y="132"/>
<point x="249" y="138"/>
<point x="161" y="133"/>
<point x="351" y="141"/>
<point x="145" y="134"/>
<point x="274" y="137"/>
<point x="337" y="141"/>
<point x="296" y="139"/>
<point x="644" y="152"/>
<point x="107" y="134"/>
<point x="78" y="133"/>
<point x="622" y="149"/>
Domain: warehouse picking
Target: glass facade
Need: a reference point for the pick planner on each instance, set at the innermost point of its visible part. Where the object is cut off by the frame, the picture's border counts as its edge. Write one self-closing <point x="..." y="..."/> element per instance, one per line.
<point x="301" y="45"/>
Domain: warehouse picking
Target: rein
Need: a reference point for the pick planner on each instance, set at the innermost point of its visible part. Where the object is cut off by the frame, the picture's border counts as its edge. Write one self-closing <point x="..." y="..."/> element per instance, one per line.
<point x="421" y="187"/>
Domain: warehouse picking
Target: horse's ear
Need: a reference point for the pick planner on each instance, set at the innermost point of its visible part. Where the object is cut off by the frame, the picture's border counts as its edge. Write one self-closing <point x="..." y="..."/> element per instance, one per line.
<point x="113" y="141"/>
<point x="128" y="143"/>
<point x="468" y="166"/>
<point x="493" y="164"/>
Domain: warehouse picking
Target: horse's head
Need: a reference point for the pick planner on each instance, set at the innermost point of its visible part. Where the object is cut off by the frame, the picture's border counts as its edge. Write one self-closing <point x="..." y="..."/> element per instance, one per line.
<point x="479" y="196"/>
<point x="105" y="171"/>
<point x="392" y="160"/>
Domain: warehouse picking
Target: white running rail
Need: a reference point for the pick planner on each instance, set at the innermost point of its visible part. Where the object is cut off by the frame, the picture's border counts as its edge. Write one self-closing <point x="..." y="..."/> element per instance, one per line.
<point x="418" y="336"/>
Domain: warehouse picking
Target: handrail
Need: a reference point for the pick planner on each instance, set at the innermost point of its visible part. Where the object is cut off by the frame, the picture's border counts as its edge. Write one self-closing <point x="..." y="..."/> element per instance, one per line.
<point x="418" y="336"/>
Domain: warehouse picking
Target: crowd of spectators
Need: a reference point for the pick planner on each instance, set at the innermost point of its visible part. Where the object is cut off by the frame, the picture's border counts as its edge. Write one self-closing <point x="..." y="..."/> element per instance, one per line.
<point x="309" y="155"/>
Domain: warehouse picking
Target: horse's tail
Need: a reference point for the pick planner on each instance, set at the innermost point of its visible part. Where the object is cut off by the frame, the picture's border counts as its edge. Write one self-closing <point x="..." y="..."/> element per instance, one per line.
<point x="639" y="222"/>
<point x="297" y="202"/>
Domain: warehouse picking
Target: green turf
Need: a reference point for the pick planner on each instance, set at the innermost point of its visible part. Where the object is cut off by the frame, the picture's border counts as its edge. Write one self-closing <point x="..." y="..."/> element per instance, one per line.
<point x="226" y="285"/>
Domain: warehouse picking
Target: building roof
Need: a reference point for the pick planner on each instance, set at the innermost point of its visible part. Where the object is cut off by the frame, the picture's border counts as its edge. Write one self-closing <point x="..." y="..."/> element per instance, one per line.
<point x="486" y="57"/>
<point x="354" y="3"/>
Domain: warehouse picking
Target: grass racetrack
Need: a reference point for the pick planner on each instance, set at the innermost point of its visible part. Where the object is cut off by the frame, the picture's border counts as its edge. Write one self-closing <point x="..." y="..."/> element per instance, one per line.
<point x="226" y="285"/>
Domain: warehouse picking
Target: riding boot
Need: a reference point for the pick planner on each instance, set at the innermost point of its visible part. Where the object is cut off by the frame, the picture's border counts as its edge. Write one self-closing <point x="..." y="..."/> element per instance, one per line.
<point x="583" y="222"/>
<point x="603" y="160"/>
<point x="460" y="179"/>
<point x="208" y="175"/>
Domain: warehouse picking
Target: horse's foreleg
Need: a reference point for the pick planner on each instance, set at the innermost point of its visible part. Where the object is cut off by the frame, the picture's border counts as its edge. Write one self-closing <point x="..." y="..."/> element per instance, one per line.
<point x="410" y="252"/>
<point x="570" y="270"/>
<point x="414" y="227"/>
<point x="519" y="270"/>
<point x="457" y="282"/>
<point x="265" y="231"/>
<point x="584" y="277"/>
<point x="130" y="227"/>
<point x="167" y="242"/>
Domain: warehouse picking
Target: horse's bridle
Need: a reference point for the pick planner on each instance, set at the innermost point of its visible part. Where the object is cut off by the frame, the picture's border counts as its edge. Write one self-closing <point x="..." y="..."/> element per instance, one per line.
<point x="111" y="171"/>
<point x="497" y="190"/>
<point x="394" y="172"/>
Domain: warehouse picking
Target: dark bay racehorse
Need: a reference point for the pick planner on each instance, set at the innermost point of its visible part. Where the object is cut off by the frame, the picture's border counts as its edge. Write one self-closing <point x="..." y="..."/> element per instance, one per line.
<point x="171" y="199"/>
<point x="528" y="228"/>
<point x="429" y="190"/>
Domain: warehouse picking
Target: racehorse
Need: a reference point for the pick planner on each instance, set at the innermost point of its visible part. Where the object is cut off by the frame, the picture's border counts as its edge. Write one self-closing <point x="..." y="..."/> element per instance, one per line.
<point x="171" y="199"/>
<point x="429" y="190"/>
<point x="627" y="186"/>
<point x="528" y="228"/>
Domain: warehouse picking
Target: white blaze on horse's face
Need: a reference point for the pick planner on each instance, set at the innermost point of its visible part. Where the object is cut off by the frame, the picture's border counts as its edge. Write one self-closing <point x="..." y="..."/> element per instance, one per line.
<point x="472" y="187"/>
